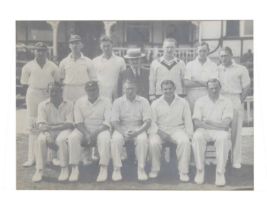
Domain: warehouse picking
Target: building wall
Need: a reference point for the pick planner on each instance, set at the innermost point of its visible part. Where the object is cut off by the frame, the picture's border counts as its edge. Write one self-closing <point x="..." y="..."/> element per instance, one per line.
<point x="210" y="29"/>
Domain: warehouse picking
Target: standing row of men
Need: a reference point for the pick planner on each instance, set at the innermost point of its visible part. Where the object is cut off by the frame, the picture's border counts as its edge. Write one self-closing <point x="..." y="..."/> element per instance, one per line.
<point x="109" y="70"/>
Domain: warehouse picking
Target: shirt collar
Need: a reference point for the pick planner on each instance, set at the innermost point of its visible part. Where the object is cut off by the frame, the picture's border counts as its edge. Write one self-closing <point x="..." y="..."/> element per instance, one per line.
<point x="137" y="98"/>
<point x="48" y="101"/>
<point x="103" y="57"/>
<point x="82" y="56"/>
<point x="207" y="61"/>
<point x="170" y="61"/>
<point x="38" y="63"/>
<point x="176" y="97"/>
<point x="96" y="101"/>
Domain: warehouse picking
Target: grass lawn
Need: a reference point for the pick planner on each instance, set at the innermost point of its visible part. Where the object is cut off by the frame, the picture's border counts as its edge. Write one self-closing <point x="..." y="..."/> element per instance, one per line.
<point x="237" y="179"/>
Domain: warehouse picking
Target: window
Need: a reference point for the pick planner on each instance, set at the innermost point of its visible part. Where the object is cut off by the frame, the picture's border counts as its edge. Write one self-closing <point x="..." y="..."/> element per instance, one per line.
<point x="232" y="28"/>
<point x="247" y="28"/>
<point x="138" y="33"/>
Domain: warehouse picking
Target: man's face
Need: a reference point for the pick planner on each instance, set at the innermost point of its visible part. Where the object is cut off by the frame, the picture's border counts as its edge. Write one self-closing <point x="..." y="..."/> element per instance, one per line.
<point x="55" y="92"/>
<point x="169" y="48"/>
<point x="214" y="89"/>
<point x="225" y="57"/>
<point x="135" y="62"/>
<point x="130" y="90"/>
<point x="40" y="54"/>
<point x="203" y="52"/>
<point x="106" y="47"/>
<point x="76" y="46"/>
<point x="92" y="93"/>
<point x="168" y="90"/>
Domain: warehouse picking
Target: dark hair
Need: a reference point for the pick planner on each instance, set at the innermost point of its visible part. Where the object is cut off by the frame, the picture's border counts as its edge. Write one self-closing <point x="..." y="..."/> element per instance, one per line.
<point x="130" y="81"/>
<point x="227" y="49"/>
<point x="167" y="82"/>
<point x="204" y="44"/>
<point x="214" y="80"/>
<point x="170" y="40"/>
<point x="105" y="38"/>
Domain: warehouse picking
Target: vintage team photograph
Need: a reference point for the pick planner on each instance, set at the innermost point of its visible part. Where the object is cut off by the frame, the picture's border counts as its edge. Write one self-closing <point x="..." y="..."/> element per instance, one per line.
<point x="134" y="105"/>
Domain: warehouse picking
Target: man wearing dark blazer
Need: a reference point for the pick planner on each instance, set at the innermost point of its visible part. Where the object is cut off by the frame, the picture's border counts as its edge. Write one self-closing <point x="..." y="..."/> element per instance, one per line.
<point x="135" y="71"/>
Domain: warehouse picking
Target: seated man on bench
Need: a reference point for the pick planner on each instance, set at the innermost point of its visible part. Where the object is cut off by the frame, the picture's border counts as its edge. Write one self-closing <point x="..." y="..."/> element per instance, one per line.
<point x="172" y="123"/>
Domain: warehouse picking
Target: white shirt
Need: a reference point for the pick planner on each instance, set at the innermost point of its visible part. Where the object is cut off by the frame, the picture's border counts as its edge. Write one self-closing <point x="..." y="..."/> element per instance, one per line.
<point x="162" y="69"/>
<point x="37" y="77"/>
<point x="92" y="114"/>
<point x="129" y="112"/>
<point x="171" y="117"/>
<point x="233" y="78"/>
<point x="77" y="72"/>
<point x="201" y="72"/>
<point x="48" y="113"/>
<point x="206" y="109"/>
<point x="108" y="71"/>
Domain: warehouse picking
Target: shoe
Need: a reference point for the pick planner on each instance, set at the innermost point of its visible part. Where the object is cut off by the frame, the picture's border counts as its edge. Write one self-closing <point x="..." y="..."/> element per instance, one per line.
<point x="28" y="163"/>
<point x="237" y="165"/>
<point x="56" y="162"/>
<point x="38" y="176"/>
<point x="153" y="174"/>
<point x="74" y="176"/>
<point x="141" y="174"/>
<point x="64" y="174"/>
<point x="199" y="178"/>
<point x="220" y="179"/>
<point x="184" y="177"/>
<point x="103" y="174"/>
<point x="116" y="175"/>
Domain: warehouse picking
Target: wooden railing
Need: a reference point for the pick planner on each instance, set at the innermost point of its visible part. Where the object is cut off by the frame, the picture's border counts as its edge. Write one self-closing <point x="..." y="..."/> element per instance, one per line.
<point x="186" y="54"/>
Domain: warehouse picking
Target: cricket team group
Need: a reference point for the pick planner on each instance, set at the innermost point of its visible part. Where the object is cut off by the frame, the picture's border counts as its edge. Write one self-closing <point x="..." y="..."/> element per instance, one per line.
<point x="105" y="104"/>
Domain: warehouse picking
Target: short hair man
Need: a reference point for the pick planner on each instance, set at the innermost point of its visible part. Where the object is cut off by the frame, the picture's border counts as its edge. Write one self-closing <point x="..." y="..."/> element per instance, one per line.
<point x="235" y="82"/>
<point x="197" y="73"/>
<point x="55" y="121"/>
<point x="37" y="74"/>
<point x="92" y="121"/>
<point x="167" y="67"/>
<point x="75" y="70"/>
<point x="135" y="71"/>
<point x="131" y="117"/>
<point x="108" y="68"/>
<point x="172" y="123"/>
<point x="212" y="117"/>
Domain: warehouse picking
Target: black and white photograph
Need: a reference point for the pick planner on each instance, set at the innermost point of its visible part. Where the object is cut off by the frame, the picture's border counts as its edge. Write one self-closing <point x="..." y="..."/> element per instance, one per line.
<point x="135" y="105"/>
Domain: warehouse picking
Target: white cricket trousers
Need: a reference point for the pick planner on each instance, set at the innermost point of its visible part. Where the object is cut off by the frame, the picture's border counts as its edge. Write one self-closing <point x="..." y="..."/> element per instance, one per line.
<point x="42" y="148"/>
<point x="33" y="98"/>
<point x="141" y="148"/>
<point x="222" y="145"/>
<point x="75" y="148"/>
<point x="183" y="150"/>
<point x="237" y="124"/>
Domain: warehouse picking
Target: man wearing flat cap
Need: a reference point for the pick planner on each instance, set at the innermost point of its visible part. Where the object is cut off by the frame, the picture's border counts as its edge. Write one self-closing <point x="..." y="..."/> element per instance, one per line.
<point x="75" y="70"/>
<point x="92" y="121"/>
<point x="108" y="68"/>
<point x="135" y="71"/>
<point x="36" y="74"/>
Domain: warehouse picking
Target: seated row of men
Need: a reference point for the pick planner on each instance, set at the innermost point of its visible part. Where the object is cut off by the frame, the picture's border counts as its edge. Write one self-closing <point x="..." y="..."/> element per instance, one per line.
<point x="95" y="121"/>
